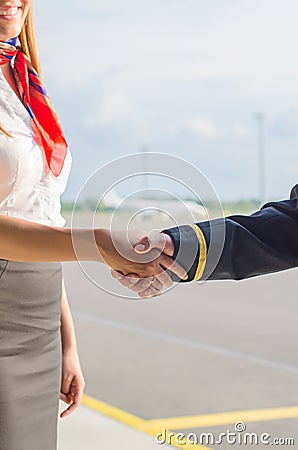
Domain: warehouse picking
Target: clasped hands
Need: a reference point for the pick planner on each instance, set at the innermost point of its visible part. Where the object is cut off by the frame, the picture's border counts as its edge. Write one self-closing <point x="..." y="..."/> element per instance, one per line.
<point x="141" y="263"/>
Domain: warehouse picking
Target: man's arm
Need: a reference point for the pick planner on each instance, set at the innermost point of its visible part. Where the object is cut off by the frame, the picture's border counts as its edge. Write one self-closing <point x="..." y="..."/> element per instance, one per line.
<point x="264" y="242"/>
<point x="245" y="246"/>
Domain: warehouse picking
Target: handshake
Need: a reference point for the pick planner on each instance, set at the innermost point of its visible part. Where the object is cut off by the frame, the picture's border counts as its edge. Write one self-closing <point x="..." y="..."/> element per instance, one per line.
<point x="234" y="247"/>
<point x="143" y="264"/>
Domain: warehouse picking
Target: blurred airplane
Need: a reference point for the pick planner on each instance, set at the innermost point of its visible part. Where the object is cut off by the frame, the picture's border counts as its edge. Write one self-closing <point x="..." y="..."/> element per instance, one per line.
<point x="155" y="208"/>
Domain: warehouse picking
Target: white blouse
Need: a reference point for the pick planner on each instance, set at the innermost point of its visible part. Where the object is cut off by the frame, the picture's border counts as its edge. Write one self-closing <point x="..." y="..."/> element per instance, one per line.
<point x="27" y="187"/>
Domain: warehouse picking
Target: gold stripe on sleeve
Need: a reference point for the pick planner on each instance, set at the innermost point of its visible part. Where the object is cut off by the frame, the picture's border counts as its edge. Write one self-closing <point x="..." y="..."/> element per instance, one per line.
<point x="203" y="251"/>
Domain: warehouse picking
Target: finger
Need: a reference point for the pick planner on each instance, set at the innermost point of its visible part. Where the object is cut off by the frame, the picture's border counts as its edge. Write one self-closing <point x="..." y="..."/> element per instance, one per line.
<point x="165" y="279"/>
<point x="116" y="274"/>
<point x="146" y="283"/>
<point x="66" y="412"/>
<point x="64" y="397"/>
<point x="140" y="285"/>
<point x="133" y="278"/>
<point x="154" y="240"/>
<point x="143" y="246"/>
<point x="150" y="292"/>
<point x="77" y="396"/>
<point x="67" y="399"/>
<point x="157" y="284"/>
<point x="143" y="283"/>
<point x="129" y="281"/>
<point x="65" y="385"/>
<point x="168" y="245"/>
<point x="74" y="405"/>
<point x="173" y="266"/>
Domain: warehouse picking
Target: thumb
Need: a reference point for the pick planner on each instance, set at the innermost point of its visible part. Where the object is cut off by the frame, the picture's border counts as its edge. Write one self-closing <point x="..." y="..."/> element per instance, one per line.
<point x="143" y="246"/>
<point x="156" y="239"/>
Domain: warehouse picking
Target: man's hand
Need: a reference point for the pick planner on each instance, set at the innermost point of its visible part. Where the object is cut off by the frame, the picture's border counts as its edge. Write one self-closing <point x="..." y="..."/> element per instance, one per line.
<point x="157" y="240"/>
<point x="152" y="286"/>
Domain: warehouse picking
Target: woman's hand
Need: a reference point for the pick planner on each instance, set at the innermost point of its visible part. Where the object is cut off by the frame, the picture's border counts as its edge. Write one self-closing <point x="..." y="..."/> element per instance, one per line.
<point x="117" y="250"/>
<point x="72" y="383"/>
<point x="153" y="286"/>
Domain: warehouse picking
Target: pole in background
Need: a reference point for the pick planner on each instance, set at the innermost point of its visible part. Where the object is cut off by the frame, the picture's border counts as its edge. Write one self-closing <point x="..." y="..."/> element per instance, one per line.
<point x="261" y="157"/>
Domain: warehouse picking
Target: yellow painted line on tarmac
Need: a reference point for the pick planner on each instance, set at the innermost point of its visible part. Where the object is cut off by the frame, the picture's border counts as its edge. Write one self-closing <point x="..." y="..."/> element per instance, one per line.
<point x="137" y="422"/>
<point x="114" y="413"/>
<point x="226" y="418"/>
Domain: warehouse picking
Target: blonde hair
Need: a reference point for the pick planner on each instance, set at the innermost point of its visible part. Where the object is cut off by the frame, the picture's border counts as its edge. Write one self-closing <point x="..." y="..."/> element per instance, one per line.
<point x="28" y="46"/>
<point x="28" y="41"/>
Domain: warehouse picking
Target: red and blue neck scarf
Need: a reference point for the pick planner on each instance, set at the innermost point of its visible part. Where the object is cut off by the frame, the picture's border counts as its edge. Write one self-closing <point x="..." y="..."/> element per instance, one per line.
<point x="47" y="130"/>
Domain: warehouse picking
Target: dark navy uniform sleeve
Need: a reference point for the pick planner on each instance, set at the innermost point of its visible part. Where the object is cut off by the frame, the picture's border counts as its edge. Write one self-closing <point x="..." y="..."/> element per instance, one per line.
<point x="263" y="242"/>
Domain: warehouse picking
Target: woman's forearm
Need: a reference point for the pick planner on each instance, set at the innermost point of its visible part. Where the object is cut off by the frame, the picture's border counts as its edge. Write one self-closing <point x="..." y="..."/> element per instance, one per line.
<point x="23" y="240"/>
<point x="68" y="338"/>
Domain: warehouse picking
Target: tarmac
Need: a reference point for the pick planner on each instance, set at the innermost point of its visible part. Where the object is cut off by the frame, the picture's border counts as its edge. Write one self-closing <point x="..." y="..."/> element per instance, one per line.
<point x="199" y="359"/>
<point x="87" y="429"/>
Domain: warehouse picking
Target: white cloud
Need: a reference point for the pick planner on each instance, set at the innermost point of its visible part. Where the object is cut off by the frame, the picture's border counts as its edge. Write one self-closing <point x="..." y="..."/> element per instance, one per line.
<point x="111" y="109"/>
<point x="240" y="130"/>
<point x="209" y="129"/>
<point x="204" y="127"/>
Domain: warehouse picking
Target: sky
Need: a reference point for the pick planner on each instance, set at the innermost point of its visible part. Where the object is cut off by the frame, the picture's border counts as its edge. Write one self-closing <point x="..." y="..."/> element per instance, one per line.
<point x="182" y="77"/>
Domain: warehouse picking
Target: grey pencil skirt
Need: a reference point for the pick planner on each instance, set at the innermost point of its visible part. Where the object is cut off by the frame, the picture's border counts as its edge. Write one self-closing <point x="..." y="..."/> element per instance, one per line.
<point x="30" y="354"/>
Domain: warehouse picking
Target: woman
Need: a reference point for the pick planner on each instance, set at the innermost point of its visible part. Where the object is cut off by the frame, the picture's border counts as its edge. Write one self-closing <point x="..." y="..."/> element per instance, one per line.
<point x="38" y="354"/>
